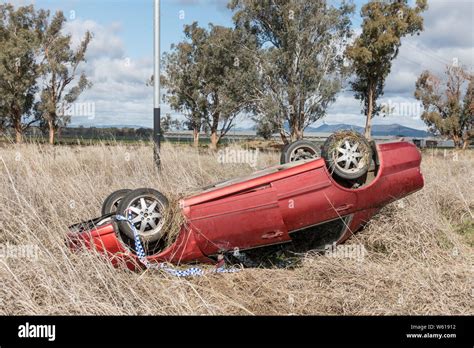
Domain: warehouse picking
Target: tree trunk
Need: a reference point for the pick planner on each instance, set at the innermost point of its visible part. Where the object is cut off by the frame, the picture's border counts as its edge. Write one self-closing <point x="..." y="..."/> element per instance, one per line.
<point x="465" y="145"/>
<point x="296" y="134"/>
<point x="18" y="135"/>
<point x="51" y="132"/>
<point x="16" y="122"/>
<point x="214" y="127"/>
<point x="465" y="142"/>
<point x="283" y="137"/>
<point x="368" y="121"/>
<point x="196" y="137"/>
<point x="214" y="140"/>
<point x="296" y="124"/>
<point x="456" y="141"/>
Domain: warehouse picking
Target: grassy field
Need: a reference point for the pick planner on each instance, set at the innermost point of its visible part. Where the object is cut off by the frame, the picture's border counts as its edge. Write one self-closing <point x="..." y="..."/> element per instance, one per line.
<point x="419" y="251"/>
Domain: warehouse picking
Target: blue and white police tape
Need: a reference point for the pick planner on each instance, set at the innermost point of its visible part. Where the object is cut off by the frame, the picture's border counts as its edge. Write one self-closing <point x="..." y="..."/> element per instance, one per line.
<point x="190" y="272"/>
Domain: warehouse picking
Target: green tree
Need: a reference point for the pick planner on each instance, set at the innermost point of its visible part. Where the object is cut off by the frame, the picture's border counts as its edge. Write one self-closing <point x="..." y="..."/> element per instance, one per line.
<point x="446" y="112"/>
<point x="265" y="128"/>
<point x="169" y="124"/>
<point x="59" y="69"/>
<point x="20" y="31"/>
<point x="205" y="78"/>
<point x="298" y="57"/>
<point x="182" y="79"/>
<point x="3" y="120"/>
<point x="467" y="115"/>
<point x="384" y="24"/>
<point x="227" y="69"/>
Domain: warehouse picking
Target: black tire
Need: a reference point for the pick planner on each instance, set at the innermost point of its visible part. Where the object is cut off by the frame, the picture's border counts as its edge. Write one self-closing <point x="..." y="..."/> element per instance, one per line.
<point x="131" y="206"/>
<point x="352" y="164"/>
<point x="112" y="202"/>
<point x="299" y="150"/>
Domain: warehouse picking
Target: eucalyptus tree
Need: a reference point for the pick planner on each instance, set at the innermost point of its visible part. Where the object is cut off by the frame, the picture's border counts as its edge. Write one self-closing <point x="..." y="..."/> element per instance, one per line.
<point x="205" y="78"/>
<point x="227" y="71"/>
<point x="384" y="24"/>
<point x="445" y="110"/>
<point x="20" y="32"/>
<point x="182" y="79"/>
<point x="299" y="58"/>
<point x="59" y="70"/>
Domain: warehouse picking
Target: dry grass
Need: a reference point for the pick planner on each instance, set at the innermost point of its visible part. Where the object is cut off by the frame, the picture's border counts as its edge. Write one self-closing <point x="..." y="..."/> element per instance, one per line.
<point x="419" y="251"/>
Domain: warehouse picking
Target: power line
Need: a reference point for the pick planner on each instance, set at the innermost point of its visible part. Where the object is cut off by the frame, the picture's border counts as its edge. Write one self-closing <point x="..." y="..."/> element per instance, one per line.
<point x="431" y="55"/>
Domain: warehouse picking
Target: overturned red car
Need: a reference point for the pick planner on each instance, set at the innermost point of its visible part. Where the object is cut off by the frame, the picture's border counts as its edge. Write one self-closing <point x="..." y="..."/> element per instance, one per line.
<point x="293" y="202"/>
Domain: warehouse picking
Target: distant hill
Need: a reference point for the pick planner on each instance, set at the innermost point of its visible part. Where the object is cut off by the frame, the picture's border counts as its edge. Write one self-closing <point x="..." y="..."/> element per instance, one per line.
<point x="378" y="129"/>
<point x="118" y="126"/>
<point x="331" y="128"/>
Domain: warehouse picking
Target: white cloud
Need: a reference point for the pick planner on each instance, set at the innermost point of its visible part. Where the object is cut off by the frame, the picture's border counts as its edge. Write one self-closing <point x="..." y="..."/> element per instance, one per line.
<point x="119" y="90"/>
<point x="448" y="24"/>
<point x="121" y="96"/>
<point x="448" y="36"/>
<point x="106" y="42"/>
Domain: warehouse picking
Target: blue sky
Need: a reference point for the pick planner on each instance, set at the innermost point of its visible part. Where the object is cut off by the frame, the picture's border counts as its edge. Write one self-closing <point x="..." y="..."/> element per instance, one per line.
<point x="120" y="58"/>
<point x="136" y="18"/>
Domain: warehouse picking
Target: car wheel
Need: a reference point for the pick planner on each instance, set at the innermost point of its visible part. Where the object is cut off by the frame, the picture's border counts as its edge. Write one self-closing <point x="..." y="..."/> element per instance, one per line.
<point x="299" y="150"/>
<point x="347" y="154"/>
<point x="145" y="208"/>
<point x="112" y="202"/>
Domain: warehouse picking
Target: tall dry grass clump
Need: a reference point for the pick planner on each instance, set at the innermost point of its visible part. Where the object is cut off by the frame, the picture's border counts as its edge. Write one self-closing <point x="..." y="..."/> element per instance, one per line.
<point x="418" y="252"/>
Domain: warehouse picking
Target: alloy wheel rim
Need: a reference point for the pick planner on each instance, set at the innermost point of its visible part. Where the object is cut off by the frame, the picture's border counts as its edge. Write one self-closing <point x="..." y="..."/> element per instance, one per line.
<point x="146" y="215"/>
<point x="302" y="153"/>
<point x="348" y="157"/>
